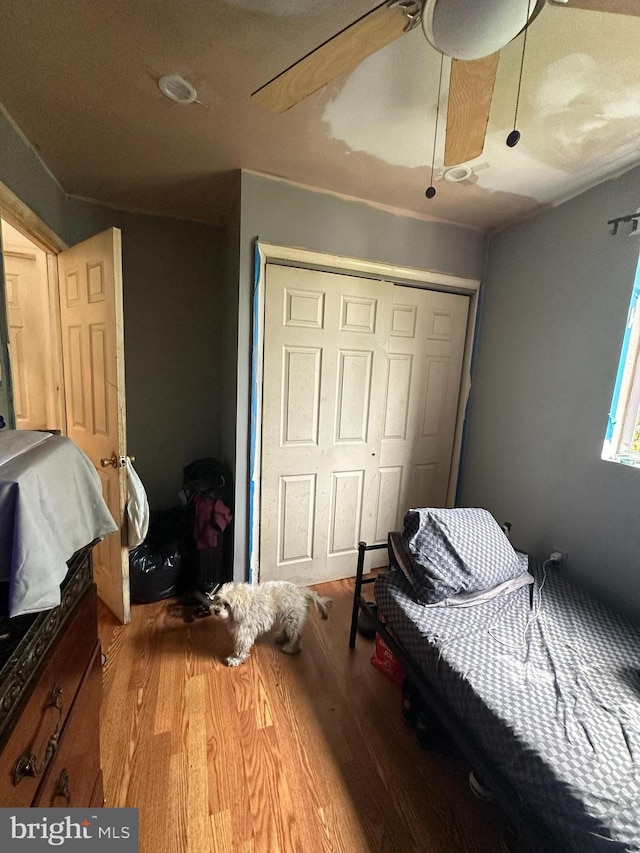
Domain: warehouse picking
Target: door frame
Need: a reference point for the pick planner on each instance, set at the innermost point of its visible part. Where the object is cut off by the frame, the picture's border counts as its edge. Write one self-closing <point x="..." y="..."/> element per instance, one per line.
<point x="268" y="253"/>
<point x="16" y="212"/>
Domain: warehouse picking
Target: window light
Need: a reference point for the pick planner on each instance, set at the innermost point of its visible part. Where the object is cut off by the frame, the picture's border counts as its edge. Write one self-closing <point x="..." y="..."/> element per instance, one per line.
<point x="622" y="437"/>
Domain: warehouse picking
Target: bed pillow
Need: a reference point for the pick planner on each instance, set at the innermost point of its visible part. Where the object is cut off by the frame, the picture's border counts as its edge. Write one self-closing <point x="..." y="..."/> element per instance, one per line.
<point x="456" y="551"/>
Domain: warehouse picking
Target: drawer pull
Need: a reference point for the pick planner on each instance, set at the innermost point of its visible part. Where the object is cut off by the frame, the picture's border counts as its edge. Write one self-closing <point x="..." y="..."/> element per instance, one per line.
<point x="62" y="787"/>
<point x="28" y="764"/>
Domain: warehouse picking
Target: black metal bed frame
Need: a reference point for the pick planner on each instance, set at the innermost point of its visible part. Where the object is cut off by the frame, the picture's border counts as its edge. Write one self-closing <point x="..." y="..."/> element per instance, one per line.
<point x="506" y="796"/>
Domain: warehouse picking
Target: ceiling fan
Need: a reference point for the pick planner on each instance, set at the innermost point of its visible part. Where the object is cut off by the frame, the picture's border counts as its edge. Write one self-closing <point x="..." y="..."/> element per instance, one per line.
<point x="468" y="31"/>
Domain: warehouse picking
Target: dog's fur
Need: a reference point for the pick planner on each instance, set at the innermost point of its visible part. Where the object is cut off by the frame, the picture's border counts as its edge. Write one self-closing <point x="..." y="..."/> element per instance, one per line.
<point x="252" y="610"/>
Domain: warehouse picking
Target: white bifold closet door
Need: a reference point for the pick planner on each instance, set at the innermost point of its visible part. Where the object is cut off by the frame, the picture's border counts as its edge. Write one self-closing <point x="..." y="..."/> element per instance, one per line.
<point x="360" y="398"/>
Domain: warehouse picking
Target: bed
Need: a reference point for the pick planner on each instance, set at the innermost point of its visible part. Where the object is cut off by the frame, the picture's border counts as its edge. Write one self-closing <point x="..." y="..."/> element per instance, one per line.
<point x="540" y="686"/>
<point x="51" y="505"/>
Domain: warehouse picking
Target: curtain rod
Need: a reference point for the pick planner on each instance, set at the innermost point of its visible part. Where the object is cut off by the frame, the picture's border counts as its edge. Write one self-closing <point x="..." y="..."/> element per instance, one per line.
<point x="630" y="217"/>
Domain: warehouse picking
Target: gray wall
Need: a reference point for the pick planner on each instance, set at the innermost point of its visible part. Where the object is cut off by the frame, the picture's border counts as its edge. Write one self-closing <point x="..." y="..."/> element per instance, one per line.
<point x="286" y="215"/>
<point x="23" y="172"/>
<point x="554" y="308"/>
<point x="173" y="283"/>
<point x="172" y="274"/>
<point x="231" y="253"/>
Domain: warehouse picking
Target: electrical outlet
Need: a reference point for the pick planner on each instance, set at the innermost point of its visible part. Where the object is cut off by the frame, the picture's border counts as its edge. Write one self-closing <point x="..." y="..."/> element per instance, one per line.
<point x="558" y="557"/>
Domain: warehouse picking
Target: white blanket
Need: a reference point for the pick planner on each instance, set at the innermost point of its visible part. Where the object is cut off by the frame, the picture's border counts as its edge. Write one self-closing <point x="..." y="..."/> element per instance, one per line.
<point x="14" y="442"/>
<point x="51" y="505"/>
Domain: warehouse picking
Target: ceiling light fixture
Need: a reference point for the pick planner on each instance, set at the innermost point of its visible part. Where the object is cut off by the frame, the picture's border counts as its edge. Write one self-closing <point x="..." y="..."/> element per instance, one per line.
<point x="177" y="89"/>
<point x="457" y="173"/>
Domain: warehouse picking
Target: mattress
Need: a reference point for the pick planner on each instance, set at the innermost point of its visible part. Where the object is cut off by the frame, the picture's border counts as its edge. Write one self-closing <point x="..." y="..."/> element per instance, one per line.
<point x="51" y="505"/>
<point x="547" y="680"/>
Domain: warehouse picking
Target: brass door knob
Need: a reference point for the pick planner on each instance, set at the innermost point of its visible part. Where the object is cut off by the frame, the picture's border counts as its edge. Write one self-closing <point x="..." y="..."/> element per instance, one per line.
<point x="113" y="461"/>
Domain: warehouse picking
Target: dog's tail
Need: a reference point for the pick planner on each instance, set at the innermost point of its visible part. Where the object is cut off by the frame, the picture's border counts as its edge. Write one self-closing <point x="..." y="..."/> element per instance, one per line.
<point x="322" y="603"/>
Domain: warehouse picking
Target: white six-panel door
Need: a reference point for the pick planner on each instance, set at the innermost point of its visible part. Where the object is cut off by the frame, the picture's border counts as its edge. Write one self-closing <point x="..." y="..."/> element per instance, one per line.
<point x="424" y="365"/>
<point x="91" y="316"/>
<point x="360" y="392"/>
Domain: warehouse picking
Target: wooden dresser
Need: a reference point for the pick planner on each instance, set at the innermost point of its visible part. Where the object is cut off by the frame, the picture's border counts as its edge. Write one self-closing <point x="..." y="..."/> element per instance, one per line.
<point x="50" y="695"/>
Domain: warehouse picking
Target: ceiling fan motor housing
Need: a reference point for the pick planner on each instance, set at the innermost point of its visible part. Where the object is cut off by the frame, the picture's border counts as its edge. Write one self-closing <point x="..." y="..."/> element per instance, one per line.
<point x="466" y="29"/>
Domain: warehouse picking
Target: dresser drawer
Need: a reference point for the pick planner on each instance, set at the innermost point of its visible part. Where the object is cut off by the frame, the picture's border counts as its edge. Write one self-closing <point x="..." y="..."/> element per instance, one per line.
<point x="43" y="715"/>
<point x="73" y="773"/>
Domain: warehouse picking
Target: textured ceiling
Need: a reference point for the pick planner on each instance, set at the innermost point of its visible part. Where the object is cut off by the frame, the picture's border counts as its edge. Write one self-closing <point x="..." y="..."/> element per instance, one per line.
<point x="79" y="79"/>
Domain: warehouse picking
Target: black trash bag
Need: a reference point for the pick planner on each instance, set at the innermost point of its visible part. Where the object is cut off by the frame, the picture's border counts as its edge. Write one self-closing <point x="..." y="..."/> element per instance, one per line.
<point x="157" y="565"/>
<point x="154" y="571"/>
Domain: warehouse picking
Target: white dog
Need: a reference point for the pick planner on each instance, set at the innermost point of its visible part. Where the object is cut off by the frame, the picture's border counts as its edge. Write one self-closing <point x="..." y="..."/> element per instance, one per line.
<point x="252" y="610"/>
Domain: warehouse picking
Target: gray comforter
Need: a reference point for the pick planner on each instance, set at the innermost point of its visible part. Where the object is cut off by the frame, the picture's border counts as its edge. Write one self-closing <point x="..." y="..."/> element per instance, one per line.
<point x="549" y="684"/>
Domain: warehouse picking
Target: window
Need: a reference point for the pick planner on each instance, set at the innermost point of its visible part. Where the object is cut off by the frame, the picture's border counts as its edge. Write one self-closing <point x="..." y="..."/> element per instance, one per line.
<point x="622" y="438"/>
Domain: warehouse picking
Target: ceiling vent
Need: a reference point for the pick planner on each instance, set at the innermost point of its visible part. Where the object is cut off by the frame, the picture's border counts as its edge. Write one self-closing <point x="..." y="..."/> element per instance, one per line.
<point x="177" y="89"/>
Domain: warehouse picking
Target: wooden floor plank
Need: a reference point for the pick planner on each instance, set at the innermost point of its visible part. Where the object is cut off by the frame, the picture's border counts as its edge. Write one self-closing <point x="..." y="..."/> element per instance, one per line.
<point x="199" y="825"/>
<point x="221" y="831"/>
<point x="281" y="755"/>
<point x="153" y="751"/>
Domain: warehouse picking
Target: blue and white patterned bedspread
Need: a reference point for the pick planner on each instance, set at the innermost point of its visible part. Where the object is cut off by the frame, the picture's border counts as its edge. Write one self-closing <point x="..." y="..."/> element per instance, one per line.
<point x="553" y="701"/>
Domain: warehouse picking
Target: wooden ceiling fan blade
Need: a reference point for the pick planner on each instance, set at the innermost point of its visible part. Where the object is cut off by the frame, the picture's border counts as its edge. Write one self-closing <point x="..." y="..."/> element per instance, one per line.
<point x="339" y="54"/>
<point x="470" y="93"/>
<point x="618" y="7"/>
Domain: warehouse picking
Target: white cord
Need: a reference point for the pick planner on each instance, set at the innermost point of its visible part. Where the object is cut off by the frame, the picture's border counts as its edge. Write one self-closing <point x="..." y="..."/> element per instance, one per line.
<point x="533" y="618"/>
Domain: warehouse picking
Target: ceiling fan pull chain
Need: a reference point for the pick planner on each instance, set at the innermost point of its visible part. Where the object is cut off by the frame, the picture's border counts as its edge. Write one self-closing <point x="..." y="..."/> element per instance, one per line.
<point x="514" y="137"/>
<point x="431" y="190"/>
<point x="411" y="9"/>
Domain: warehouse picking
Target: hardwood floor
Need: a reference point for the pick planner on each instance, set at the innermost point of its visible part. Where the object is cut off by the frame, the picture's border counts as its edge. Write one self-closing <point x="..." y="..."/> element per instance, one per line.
<point x="282" y="754"/>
